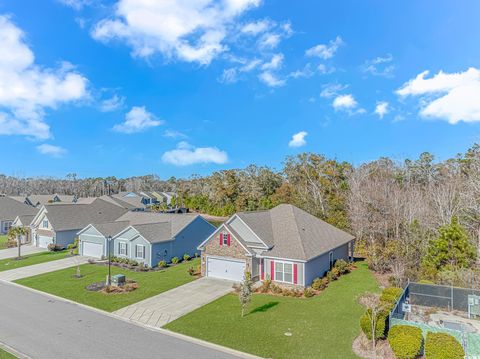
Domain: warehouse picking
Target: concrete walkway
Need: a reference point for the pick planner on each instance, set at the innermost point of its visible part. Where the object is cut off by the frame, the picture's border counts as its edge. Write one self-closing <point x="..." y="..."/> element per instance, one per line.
<point x="29" y="271"/>
<point x="168" y="306"/>
<point x="13" y="252"/>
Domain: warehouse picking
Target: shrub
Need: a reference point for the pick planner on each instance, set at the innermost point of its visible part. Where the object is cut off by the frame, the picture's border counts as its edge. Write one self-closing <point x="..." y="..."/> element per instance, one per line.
<point x="175" y="260"/>
<point x="366" y="325"/>
<point x="308" y="292"/>
<point x="443" y="346"/>
<point x="320" y="283"/>
<point x="191" y="271"/>
<point x="54" y="247"/>
<point x="265" y="287"/>
<point x="186" y="257"/>
<point x="276" y="289"/>
<point x="342" y="266"/>
<point x="393" y="291"/>
<point x="387" y="298"/>
<point x="405" y="341"/>
<point x="333" y="274"/>
<point x="162" y="264"/>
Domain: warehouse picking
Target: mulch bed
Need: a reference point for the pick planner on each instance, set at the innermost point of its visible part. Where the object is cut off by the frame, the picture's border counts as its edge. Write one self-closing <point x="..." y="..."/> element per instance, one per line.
<point x="128" y="287"/>
<point x="363" y="348"/>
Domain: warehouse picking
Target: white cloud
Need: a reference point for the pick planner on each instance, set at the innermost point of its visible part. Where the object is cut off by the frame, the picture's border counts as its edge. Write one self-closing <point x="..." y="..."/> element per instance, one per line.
<point x="255" y="28"/>
<point x="174" y="134"/>
<point x="269" y="41"/>
<point x="112" y="104"/>
<point x="275" y="63"/>
<point x="298" y="139"/>
<point x="137" y="120"/>
<point x="76" y="4"/>
<point x="381" y="109"/>
<point x="450" y="96"/>
<point x="51" y="150"/>
<point x="332" y="90"/>
<point x="185" y="155"/>
<point x="325" y="51"/>
<point x="28" y="90"/>
<point x="271" y="79"/>
<point x="229" y="76"/>
<point x="344" y="102"/>
<point x="193" y="31"/>
<point x="380" y="66"/>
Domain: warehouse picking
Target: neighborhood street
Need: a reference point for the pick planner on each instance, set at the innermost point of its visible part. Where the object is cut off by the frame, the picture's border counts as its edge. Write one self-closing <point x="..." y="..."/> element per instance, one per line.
<point x="45" y="328"/>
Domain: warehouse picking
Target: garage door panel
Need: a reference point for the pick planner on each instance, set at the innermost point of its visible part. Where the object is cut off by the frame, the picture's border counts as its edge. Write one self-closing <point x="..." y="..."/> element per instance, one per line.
<point x="225" y="269"/>
<point x="44" y="241"/>
<point x="91" y="249"/>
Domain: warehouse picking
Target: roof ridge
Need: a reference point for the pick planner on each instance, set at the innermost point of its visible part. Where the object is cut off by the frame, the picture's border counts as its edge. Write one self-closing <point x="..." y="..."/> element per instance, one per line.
<point x="292" y="208"/>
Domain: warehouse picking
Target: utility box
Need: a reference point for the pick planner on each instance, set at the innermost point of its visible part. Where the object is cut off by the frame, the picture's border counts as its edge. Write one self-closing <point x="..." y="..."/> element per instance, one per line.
<point x="118" y="280"/>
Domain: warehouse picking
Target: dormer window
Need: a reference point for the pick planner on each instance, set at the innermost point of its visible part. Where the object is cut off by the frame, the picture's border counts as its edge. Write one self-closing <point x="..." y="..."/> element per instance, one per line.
<point x="45" y="223"/>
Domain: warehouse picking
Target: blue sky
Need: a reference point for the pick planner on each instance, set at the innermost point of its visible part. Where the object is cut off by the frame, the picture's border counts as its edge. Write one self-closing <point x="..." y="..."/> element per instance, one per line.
<point x="189" y="87"/>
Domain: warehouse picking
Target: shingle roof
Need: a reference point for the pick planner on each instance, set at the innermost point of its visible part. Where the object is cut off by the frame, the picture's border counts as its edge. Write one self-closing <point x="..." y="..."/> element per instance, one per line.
<point x="178" y="221"/>
<point x="294" y="233"/>
<point x="77" y="216"/>
<point x="26" y="219"/>
<point x="10" y="209"/>
<point x="111" y="228"/>
<point x="47" y="198"/>
<point x="155" y="232"/>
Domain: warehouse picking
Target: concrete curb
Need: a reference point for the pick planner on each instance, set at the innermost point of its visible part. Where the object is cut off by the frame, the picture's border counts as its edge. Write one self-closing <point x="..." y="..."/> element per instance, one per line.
<point x="186" y="338"/>
<point x="13" y="351"/>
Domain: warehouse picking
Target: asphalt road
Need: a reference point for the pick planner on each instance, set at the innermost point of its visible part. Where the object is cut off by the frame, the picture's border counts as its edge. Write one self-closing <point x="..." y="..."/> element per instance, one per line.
<point x="45" y="328"/>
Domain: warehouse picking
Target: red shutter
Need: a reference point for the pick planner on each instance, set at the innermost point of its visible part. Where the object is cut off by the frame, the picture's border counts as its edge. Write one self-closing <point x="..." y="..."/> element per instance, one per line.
<point x="228" y="239"/>
<point x="272" y="270"/>
<point x="295" y="274"/>
<point x="221" y="239"/>
<point x="262" y="269"/>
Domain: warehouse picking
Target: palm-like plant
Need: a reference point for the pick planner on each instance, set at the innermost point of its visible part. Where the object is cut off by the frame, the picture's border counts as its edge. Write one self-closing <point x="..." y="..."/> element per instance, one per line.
<point x="17" y="233"/>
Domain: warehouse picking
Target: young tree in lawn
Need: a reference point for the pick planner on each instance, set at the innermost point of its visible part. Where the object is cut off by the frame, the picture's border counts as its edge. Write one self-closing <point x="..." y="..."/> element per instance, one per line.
<point x="17" y="233"/>
<point x="246" y="290"/>
<point x="374" y="307"/>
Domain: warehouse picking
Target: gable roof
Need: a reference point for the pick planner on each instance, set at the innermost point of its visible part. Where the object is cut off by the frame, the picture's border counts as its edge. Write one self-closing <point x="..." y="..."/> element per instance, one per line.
<point x="73" y="216"/>
<point x="11" y="208"/>
<point x="110" y="228"/>
<point x="25" y="219"/>
<point x="155" y="232"/>
<point x="293" y="233"/>
<point x="43" y="199"/>
<point x="177" y="221"/>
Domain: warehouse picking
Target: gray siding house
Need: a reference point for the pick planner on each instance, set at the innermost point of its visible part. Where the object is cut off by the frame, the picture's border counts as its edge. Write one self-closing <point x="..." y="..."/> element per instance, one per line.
<point x="10" y="209"/>
<point x="60" y="223"/>
<point x="285" y="244"/>
<point x="146" y="237"/>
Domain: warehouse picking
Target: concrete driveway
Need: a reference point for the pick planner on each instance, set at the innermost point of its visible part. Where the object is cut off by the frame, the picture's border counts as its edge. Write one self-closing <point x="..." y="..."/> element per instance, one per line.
<point x="13" y="252"/>
<point x="29" y="271"/>
<point x="168" y="306"/>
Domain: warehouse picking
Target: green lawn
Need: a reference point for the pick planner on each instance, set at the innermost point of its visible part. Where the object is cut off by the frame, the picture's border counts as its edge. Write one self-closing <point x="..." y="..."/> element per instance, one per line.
<point x="3" y="242"/>
<point x="63" y="284"/>
<point x="6" y="355"/>
<point x="28" y="260"/>
<point x="322" y="327"/>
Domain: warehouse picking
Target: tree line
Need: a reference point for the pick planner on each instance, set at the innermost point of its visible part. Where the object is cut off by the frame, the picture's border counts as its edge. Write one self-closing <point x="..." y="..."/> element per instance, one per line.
<point x="416" y="219"/>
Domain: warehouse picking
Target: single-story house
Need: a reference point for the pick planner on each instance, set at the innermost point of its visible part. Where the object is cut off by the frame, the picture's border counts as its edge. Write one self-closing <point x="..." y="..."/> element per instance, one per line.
<point x="285" y="244"/>
<point x="146" y="237"/>
<point x="60" y="223"/>
<point x="10" y="209"/>
<point x="25" y="221"/>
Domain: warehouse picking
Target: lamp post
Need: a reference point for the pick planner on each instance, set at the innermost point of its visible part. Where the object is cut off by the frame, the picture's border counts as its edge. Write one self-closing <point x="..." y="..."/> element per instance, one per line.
<point x="109" y="278"/>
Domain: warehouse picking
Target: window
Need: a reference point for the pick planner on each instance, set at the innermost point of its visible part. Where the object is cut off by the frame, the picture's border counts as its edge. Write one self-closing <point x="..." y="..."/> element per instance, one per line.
<point x="283" y="272"/>
<point x="6" y="226"/>
<point x="122" y="248"/>
<point x="225" y="239"/>
<point x="330" y="257"/>
<point x="45" y="223"/>
<point x="139" y="251"/>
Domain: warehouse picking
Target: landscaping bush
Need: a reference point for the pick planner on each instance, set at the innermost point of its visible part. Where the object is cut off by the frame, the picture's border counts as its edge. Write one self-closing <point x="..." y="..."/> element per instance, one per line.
<point x="55" y="247"/>
<point x="265" y="287"/>
<point x="320" y="283"/>
<point x="308" y="292"/>
<point x="405" y="341"/>
<point x="342" y="266"/>
<point x="191" y="271"/>
<point x="394" y="292"/>
<point x="443" y="346"/>
<point x="186" y="257"/>
<point x="175" y="260"/>
<point x="333" y="274"/>
<point x="276" y="289"/>
<point x="162" y="264"/>
<point x="366" y="325"/>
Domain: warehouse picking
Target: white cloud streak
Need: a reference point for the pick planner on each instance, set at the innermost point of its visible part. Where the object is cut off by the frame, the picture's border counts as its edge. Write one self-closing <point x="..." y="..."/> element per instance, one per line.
<point x="324" y="51"/>
<point x="298" y="139"/>
<point x="137" y="120"/>
<point x="51" y="150"/>
<point x="186" y="154"/>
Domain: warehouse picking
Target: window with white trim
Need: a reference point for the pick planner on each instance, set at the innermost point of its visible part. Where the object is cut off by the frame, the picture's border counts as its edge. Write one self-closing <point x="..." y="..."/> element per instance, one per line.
<point x="139" y="251"/>
<point x="225" y="239"/>
<point x="283" y="272"/>
<point x="45" y="223"/>
<point x="122" y="248"/>
<point x="6" y="226"/>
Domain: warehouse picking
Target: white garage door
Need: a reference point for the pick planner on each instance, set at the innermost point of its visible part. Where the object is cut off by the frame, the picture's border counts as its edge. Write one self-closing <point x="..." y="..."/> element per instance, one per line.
<point x="225" y="269"/>
<point x="92" y="249"/>
<point x="44" y="241"/>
